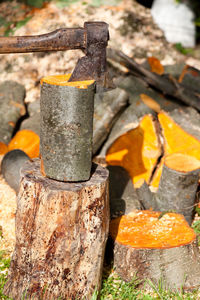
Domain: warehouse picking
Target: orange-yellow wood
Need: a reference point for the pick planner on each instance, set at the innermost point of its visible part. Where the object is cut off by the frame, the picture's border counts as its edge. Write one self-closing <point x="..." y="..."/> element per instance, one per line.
<point x="137" y="151"/>
<point x="63" y="81"/>
<point x="143" y="229"/>
<point x="176" y="140"/>
<point x="155" y="65"/>
<point x="150" y="102"/>
<point x="3" y="148"/>
<point x="182" y="162"/>
<point x="156" y="178"/>
<point x="26" y="140"/>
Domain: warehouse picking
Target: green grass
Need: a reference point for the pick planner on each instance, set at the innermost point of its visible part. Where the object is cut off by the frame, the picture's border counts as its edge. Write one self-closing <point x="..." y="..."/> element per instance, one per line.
<point x="4" y="265"/>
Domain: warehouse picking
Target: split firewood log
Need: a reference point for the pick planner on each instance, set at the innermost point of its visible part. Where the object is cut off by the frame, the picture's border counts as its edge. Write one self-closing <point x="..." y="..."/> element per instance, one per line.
<point x="166" y="84"/>
<point x="158" y="247"/>
<point x="180" y="134"/>
<point x="12" y="108"/>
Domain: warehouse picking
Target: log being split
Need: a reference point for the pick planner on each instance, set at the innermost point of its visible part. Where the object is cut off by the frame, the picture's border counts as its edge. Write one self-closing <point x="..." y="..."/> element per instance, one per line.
<point x="66" y="128"/>
<point x="156" y="247"/>
<point x="61" y="232"/>
<point x="177" y="187"/>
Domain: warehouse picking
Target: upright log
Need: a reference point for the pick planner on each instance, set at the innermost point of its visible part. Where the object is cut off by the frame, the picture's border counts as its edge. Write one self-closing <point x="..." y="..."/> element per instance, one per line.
<point x="61" y="232"/>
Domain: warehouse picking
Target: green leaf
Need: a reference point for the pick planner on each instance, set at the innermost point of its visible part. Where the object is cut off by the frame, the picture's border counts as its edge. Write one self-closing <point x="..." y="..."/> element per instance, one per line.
<point x="22" y="22"/>
<point x="64" y="3"/>
<point x="35" y="3"/>
<point x="98" y="3"/>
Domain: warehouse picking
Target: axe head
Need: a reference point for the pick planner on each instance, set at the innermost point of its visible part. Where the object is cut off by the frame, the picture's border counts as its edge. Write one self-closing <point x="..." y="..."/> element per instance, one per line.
<point x="93" y="64"/>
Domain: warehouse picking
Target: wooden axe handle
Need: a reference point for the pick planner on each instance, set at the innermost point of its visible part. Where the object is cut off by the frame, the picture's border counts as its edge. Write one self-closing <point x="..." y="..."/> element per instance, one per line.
<point x="58" y="40"/>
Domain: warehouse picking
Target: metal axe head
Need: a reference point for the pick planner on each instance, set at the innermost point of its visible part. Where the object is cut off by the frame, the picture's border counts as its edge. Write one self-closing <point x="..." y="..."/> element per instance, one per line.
<point x="93" y="64"/>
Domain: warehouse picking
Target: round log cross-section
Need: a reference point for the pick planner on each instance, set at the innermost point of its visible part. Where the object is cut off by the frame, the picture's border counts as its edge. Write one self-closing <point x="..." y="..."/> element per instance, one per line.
<point x="61" y="232"/>
<point x="66" y="128"/>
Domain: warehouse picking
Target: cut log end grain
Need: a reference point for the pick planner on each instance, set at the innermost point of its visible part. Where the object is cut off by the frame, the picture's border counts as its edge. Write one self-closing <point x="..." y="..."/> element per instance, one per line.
<point x="155" y="65"/>
<point x="63" y="81"/>
<point x="3" y="148"/>
<point x="182" y="162"/>
<point x="27" y="141"/>
<point x="137" y="151"/>
<point x="156" y="247"/>
<point x="144" y="229"/>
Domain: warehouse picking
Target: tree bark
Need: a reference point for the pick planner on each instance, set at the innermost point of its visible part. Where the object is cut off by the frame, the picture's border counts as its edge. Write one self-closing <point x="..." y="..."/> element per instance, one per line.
<point x="153" y="246"/>
<point x="61" y="232"/>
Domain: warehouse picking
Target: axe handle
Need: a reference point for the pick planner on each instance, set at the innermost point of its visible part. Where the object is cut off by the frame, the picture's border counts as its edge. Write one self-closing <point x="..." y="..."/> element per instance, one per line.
<point x="58" y="40"/>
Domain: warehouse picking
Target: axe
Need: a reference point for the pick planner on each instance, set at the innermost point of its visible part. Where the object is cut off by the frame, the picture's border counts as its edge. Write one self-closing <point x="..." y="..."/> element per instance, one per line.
<point x="92" y="39"/>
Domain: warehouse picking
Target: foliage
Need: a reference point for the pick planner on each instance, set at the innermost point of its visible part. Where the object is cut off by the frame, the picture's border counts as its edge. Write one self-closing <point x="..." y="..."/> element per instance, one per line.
<point x="183" y="50"/>
<point x="4" y="265"/>
<point x="11" y="27"/>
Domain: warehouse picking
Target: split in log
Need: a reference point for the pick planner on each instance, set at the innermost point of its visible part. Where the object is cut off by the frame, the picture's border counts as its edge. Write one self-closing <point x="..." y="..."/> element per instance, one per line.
<point x="177" y="187"/>
<point x="12" y="107"/>
<point x="61" y="232"/>
<point x="66" y="128"/>
<point x="154" y="246"/>
<point x="27" y="141"/>
<point x="137" y="151"/>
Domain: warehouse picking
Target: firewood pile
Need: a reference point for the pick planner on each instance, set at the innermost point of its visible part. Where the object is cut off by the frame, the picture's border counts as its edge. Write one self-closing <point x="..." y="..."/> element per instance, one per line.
<point x="146" y="131"/>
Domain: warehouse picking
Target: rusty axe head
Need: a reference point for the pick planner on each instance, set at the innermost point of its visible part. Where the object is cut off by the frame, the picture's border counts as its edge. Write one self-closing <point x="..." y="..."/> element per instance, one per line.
<point x="93" y="64"/>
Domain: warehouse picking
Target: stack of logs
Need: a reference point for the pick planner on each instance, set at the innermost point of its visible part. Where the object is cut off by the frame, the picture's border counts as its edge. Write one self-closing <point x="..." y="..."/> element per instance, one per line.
<point x="146" y="132"/>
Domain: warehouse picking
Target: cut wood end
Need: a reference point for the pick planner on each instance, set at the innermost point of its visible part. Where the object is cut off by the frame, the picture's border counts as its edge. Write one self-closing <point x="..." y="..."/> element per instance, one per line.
<point x="151" y="103"/>
<point x="62" y="80"/>
<point x="137" y="151"/>
<point x="182" y="162"/>
<point x="155" y="65"/>
<point x="27" y="141"/>
<point x="144" y="229"/>
<point x="3" y="148"/>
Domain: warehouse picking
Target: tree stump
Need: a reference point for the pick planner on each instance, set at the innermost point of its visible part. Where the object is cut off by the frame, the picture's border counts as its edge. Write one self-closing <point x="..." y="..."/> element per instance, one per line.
<point x="61" y="232"/>
<point x="158" y="247"/>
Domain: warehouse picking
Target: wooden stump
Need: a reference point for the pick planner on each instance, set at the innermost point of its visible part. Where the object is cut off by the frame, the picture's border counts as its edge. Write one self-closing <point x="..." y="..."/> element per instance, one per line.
<point x="156" y="248"/>
<point x="61" y="232"/>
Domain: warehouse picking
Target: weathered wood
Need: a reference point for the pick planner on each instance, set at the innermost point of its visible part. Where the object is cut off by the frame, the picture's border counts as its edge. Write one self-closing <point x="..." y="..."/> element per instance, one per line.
<point x="190" y="78"/>
<point x="61" y="232"/>
<point x="12" y="107"/>
<point x="66" y="129"/>
<point x="177" y="265"/>
<point x="107" y="107"/>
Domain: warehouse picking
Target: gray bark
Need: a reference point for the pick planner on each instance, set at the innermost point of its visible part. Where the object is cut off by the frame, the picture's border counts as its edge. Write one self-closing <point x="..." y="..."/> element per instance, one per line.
<point x="107" y="107"/>
<point x="12" y="107"/>
<point x="66" y="130"/>
<point x="177" y="191"/>
<point x="177" y="267"/>
<point x="61" y="232"/>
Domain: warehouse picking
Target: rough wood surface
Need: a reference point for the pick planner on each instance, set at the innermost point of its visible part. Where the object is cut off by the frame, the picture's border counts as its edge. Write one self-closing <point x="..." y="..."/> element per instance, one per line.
<point x="66" y="130"/>
<point x="61" y="232"/>
<point x="153" y="246"/>
<point x="177" y="267"/>
<point x="12" y="107"/>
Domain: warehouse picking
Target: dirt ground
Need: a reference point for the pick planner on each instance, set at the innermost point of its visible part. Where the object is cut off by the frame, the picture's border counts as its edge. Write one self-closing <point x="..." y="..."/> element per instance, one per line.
<point x="132" y="30"/>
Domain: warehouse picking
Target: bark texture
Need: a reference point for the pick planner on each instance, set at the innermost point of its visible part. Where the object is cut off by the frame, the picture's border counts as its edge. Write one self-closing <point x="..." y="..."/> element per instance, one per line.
<point x="66" y="130"/>
<point x="12" y="107"/>
<point x="61" y="232"/>
<point x="177" y="192"/>
<point x="107" y="107"/>
<point x="177" y="267"/>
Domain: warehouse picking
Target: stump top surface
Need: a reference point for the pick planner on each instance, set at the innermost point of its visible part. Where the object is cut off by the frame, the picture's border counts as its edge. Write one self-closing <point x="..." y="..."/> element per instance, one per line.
<point x="31" y="171"/>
